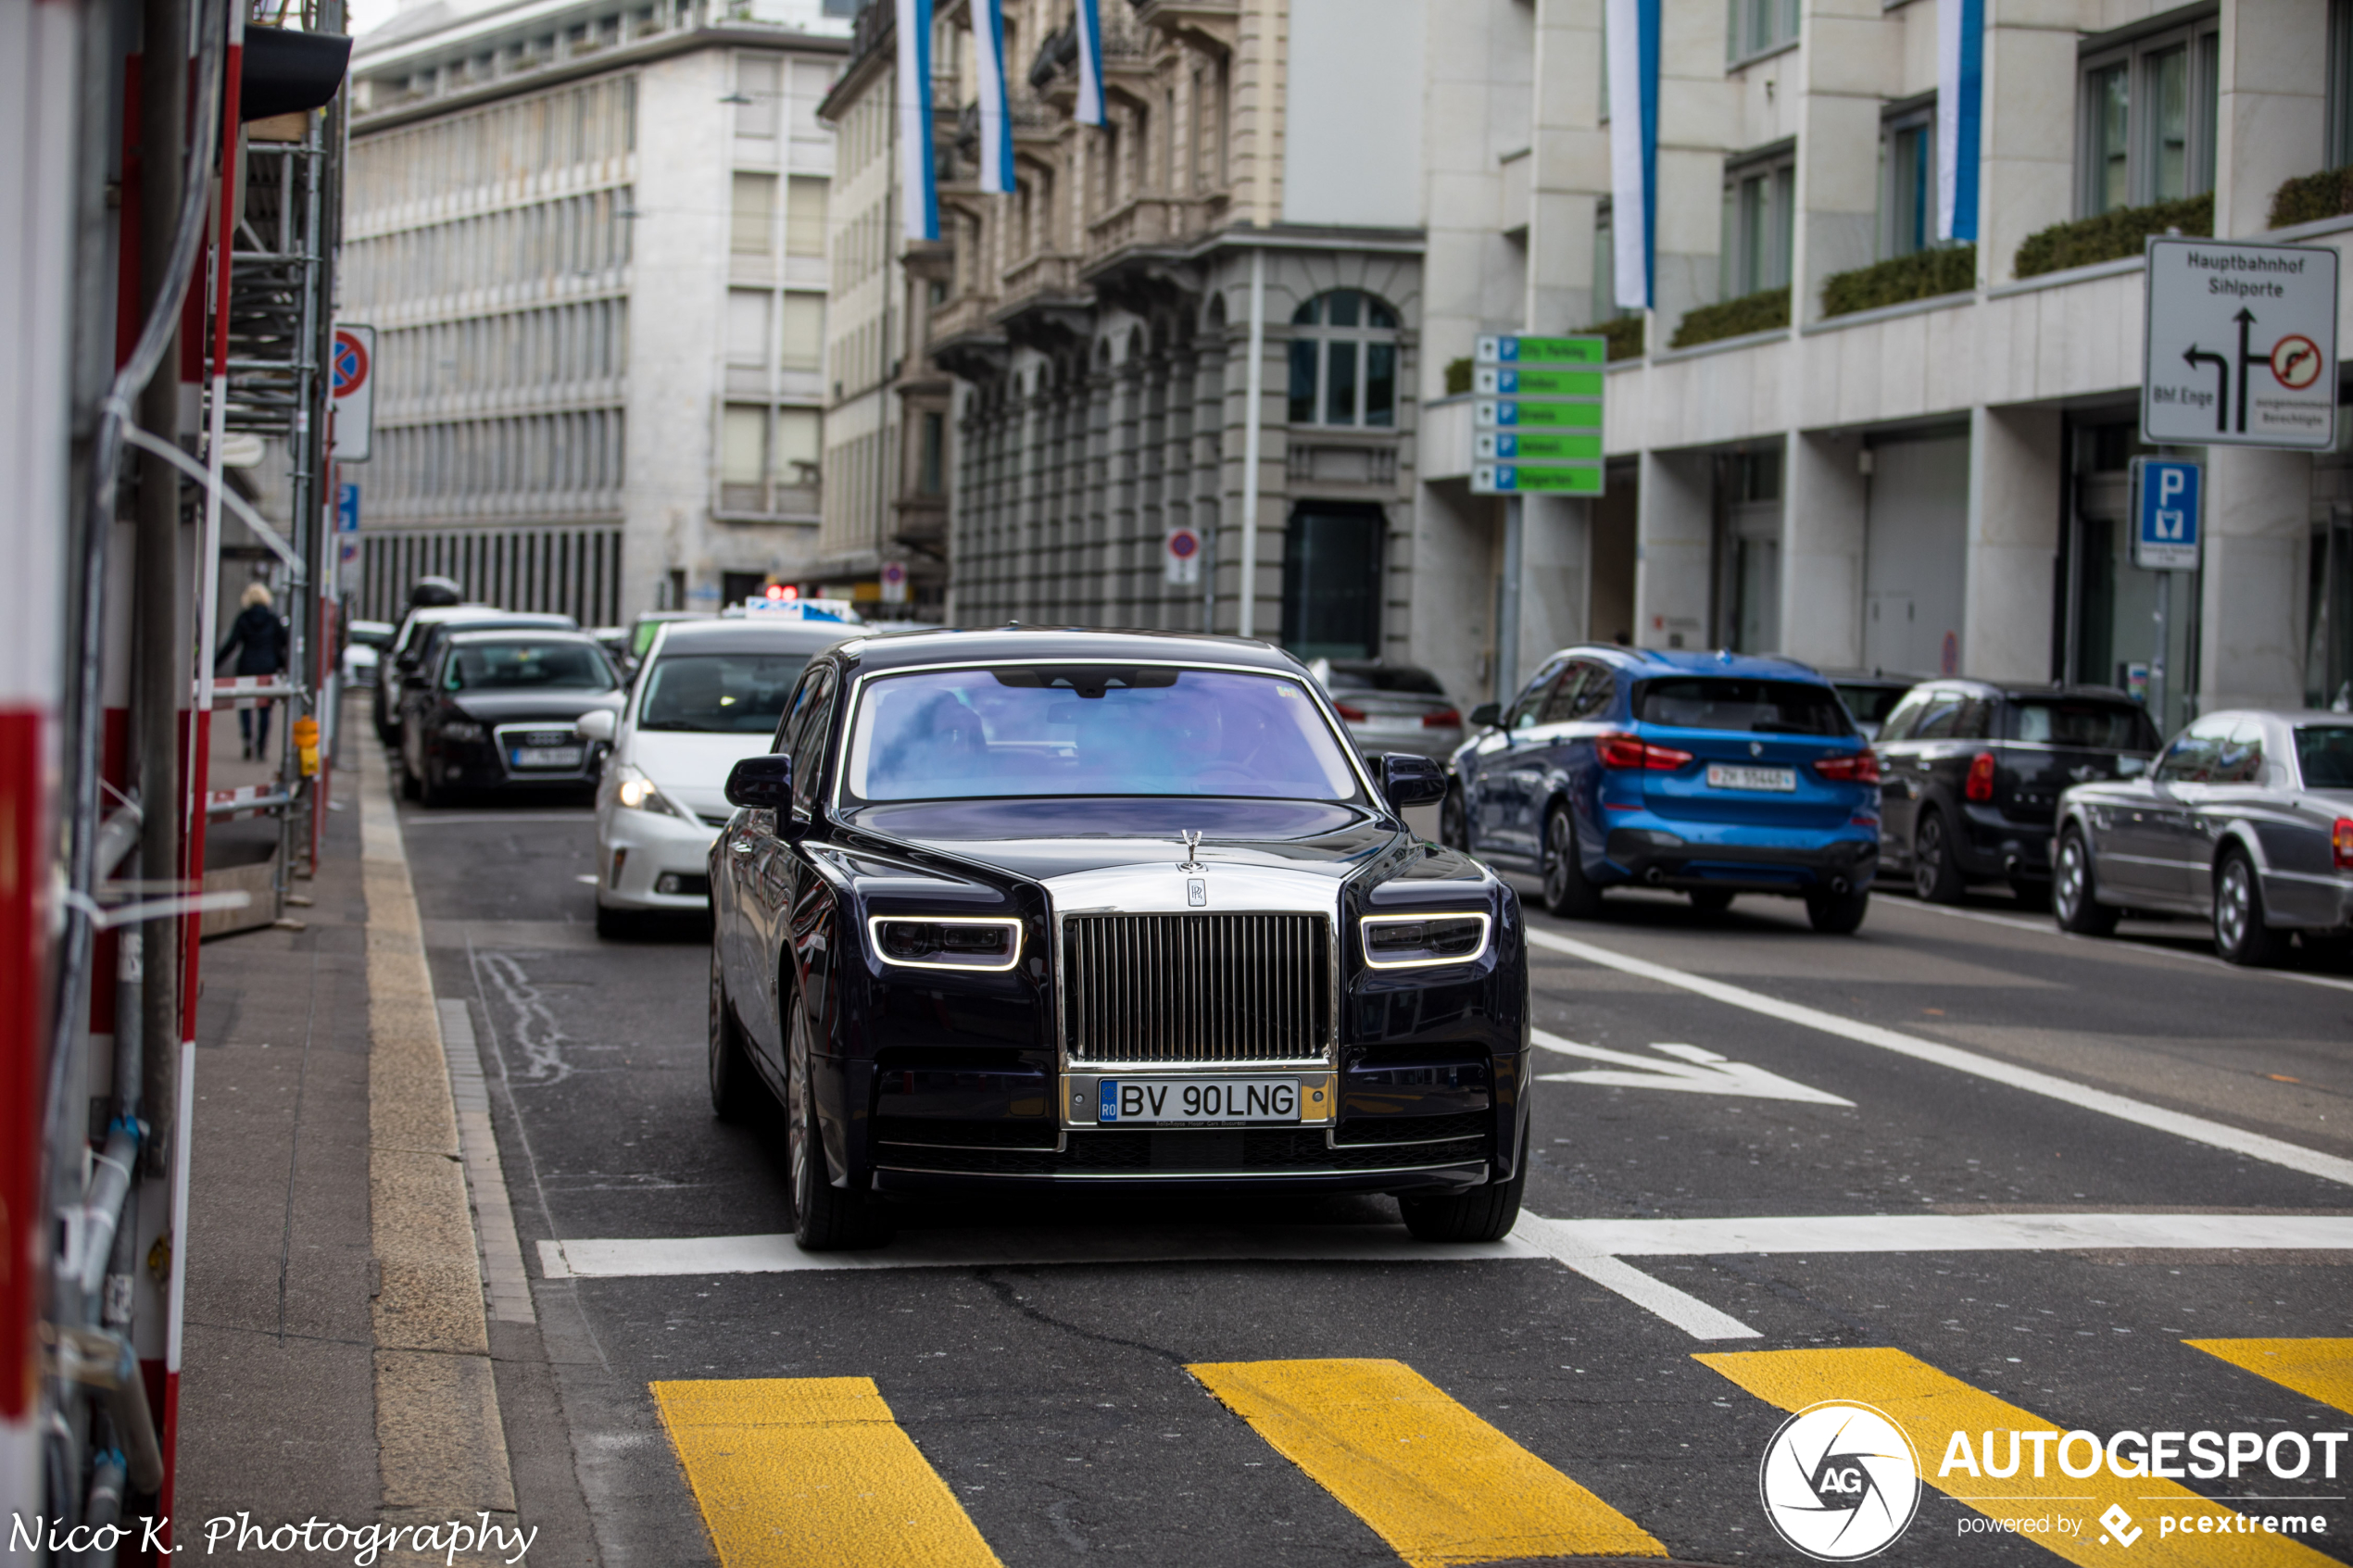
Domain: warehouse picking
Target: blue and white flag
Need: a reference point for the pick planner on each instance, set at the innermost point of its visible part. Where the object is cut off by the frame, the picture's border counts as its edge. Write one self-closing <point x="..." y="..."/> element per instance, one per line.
<point x="995" y="124"/>
<point x="1633" y="146"/>
<point x="1090" y="62"/>
<point x="1960" y="115"/>
<point x="917" y="174"/>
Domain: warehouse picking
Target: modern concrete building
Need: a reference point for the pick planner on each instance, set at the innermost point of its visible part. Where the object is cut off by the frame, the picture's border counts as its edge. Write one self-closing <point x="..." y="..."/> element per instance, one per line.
<point x="591" y="237"/>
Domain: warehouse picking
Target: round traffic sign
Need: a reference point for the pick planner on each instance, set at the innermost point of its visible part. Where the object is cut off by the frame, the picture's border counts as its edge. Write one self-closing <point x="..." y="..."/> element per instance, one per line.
<point x="2296" y="361"/>
<point x="894" y="572"/>
<point x="349" y="363"/>
<point x="1183" y="543"/>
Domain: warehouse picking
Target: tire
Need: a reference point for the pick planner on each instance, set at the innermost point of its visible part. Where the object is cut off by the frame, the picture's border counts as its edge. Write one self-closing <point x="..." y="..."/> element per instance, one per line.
<point x="1711" y="900"/>
<point x="430" y="794"/>
<point x="1484" y="1213"/>
<point x="1567" y="891"/>
<point x="409" y="788"/>
<point x="619" y="926"/>
<point x="2239" y="933"/>
<point x="824" y="1218"/>
<point x="1935" y="878"/>
<point x="2033" y="896"/>
<point x="736" y="1089"/>
<point x="1838" y="914"/>
<point x="2075" y="902"/>
<point x="1453" y="821"/>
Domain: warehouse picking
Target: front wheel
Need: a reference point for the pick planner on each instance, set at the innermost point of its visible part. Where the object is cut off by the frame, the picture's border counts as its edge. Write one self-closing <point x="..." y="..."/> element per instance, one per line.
<point x="2075" y="900"/>
<point x="1936" y="876"/>
<point x="824" y="1218"/>
<point x="2239" y="933"/>
<point x="735" y="1091"/>
<point x="1838" y="914"/>
<point x="1567" y="891"/>
<point x="1484" y="1213"/>
<point x="1453" y="821"/>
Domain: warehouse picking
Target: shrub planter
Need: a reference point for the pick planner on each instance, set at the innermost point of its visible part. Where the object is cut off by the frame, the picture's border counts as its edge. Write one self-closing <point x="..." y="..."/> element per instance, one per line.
<point x="1758" y="312"/>
<point x="1924" y="274"/>
<point x="2112" y="235"/>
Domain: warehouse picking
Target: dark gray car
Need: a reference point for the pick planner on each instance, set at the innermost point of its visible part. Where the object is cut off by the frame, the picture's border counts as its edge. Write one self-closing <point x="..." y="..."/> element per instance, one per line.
<point x="2246" y="819"/>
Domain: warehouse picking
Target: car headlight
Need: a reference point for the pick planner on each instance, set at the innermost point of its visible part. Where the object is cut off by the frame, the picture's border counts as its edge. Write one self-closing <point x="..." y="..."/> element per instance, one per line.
<point x="461" y="729"/>
<point x="641" y="793"/>
<point x="962" y="942"/>
<point x="1424" y="941"/>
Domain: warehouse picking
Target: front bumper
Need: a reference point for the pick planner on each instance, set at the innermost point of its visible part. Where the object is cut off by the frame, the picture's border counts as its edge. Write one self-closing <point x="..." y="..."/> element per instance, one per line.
<point x="640" y="854"/>
<point x="479" y="764"/>
<point x="1653" y="851"/>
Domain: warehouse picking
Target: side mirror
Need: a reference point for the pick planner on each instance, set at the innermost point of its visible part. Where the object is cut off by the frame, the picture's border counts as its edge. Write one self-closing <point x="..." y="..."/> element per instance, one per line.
<point x="1407" y="780"/>
<point x="761" y="784"/>
<point x="407" y="663"/>
<point x="597" y="724"/>
<point x="1487" y="715"/>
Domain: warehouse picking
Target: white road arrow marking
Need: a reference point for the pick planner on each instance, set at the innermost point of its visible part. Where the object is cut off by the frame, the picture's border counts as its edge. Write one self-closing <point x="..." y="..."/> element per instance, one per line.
<point x="1695" y="1071"/>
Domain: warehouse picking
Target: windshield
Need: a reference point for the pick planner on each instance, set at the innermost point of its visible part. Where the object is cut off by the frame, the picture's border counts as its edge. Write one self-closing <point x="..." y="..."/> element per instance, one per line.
<point x="2095" y="726"/>
<point x="1032" y="730"/>
<point x="735" y="694"/>
<point x="527" y="667"/>
<point x="1789" y="708"/>
<point x="1871" y="704"/>
<point x="2325" y="754"/>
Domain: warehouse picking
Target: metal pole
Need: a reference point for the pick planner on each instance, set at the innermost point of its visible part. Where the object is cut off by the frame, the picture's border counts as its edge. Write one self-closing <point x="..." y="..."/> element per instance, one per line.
<point x="1507" y="602"/>
<point x="2157" y="663"/>
<point x="1253" y="394"/>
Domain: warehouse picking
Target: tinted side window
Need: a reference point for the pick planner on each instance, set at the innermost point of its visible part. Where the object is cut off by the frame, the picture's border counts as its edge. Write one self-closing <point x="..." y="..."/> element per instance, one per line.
<point x="1568" y="693"/>
<point x="1975" y="720"/>
<point x="1936" y="721"/>
<point x="2195" y="754"/>
<point x="805" y="729"/>
<point x="1532" y="701"/>
<point x="1899" y="723"/>
<point x="2241" y="761"/>
<point x="1598" y="695"/>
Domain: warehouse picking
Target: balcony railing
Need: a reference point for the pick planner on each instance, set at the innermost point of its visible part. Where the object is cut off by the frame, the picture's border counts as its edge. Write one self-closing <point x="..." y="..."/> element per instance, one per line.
<point x="1147" y="221"/>
<point x="1043" y="272"/>
<point x="966" y="312"/>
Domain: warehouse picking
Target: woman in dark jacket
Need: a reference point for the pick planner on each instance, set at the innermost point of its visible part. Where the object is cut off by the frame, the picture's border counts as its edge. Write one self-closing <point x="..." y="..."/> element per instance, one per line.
<point x="259" y="639"/>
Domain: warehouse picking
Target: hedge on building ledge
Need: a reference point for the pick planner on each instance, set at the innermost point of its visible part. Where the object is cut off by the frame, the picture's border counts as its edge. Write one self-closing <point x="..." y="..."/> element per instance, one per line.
<point x="2112" y="235"/>
<point x="1758" y="312"/>
<point x="2311" y="197"/>
<point x="1458" y="377"/>
<point x="1624" y="335"/>
<point x="1924" y="274"/>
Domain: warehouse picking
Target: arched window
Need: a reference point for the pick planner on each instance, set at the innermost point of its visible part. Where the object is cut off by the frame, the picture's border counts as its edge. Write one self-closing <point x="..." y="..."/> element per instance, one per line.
<point x="1343" y="361"/>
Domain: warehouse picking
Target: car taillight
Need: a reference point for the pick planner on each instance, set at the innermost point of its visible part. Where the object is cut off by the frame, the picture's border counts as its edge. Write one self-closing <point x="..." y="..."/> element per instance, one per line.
<point x="1980" y="778"/>
<point x="2341" y="840"/>
<point x="1353" y="715"/>
<point x="1444" y="719"/>
<point x="1632" y="751"/>
<point x="1862" y="767"/>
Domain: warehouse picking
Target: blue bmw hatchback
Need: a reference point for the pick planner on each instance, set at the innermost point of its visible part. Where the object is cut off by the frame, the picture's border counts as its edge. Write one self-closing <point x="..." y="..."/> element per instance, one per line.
<point x="1712" y="773"/>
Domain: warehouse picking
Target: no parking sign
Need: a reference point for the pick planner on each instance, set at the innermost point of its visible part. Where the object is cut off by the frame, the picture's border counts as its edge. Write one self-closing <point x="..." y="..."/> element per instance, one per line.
<point x="352" y="368"/>
<point x="1182" y="556"/>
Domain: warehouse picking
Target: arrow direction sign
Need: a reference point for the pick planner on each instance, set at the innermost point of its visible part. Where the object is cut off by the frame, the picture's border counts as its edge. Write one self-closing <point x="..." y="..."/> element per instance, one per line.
<point x="2279" y="301"/>
<point x="1691" y="1071"/>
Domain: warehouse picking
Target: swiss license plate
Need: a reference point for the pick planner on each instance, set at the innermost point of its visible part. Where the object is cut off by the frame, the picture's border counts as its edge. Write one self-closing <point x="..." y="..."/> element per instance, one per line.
<point x="1730" y="776"/>
<point x="1197" y="1100"/>
<point x="546" y="757"/>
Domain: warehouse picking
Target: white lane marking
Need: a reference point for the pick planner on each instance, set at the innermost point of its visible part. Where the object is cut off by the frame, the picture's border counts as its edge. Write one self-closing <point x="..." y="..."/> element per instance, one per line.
<point x="1655" y="1295"/>
<point x="2195" y="1129"/>
<point x="590" y="878"/>
<point x="1954" y="1233"/>
<point x="1697" y="1071"/>
<point x="2128" y="944"/>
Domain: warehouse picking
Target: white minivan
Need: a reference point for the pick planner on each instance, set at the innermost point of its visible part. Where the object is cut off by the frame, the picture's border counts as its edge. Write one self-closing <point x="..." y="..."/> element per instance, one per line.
<point x="708" y="695"/>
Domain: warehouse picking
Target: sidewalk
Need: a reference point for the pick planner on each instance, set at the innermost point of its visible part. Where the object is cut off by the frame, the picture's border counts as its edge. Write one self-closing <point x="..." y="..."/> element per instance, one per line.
<point x="343" y="1359"/>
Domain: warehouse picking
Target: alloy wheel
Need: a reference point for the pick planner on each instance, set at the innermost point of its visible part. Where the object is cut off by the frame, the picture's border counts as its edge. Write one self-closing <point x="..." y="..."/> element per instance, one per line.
<point x="2233" y="906"/>
<point x="1556" y="854"/>
<point x="1928" y="858"/>
<point x="797" y="1155"/>
<point x="2068" y="887"/>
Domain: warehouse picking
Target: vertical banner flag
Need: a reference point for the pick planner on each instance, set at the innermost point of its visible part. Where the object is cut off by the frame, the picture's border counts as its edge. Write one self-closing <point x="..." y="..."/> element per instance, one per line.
<point x="1960" y="111"/>
<point x="917" y="172"/>
<point x="1090" y="62"/>
<point x="1633" y="146"/>
<point x="995" y="124"/>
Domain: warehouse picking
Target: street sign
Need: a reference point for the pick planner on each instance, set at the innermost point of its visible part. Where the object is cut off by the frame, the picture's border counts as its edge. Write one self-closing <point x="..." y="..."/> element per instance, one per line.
<point x="2240" y="344"/>
<point x="894" y="582"/>
<point x="1181" y="559"/>
<point x="347" y="509"/>
<point x="1536" y="411"/>
<point x="2165" y="515"/>
<point x="353" y="382"/>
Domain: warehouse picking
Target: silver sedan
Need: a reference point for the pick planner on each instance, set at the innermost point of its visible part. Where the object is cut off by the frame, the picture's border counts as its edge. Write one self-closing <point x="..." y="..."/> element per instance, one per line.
<point x="1391" y="706"/>
<point x="2245" y="819"/>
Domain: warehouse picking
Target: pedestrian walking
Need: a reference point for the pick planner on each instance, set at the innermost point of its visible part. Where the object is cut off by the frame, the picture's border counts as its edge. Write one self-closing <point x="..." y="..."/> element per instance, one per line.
<point x="259" y="639"/>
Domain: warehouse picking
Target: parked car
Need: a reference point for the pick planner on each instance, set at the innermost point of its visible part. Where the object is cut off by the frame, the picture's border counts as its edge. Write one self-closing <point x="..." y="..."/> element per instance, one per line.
<point x="1016" y="908"/>
<point x="405" y="642"/>
<point x="365" y="643"/>
<point x="1870" y="698"/>
<point x="1716" y="773"/>
<point x="1974" y="770"/>
<point x="495" y="709"/>
<point x="2245" y="819"/>
<point x="708" y="695"/>
<point x="425" y="646"/>
<point x="1390" y="706"/>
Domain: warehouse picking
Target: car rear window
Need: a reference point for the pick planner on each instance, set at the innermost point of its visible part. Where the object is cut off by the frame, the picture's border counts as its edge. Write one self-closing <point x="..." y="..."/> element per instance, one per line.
<point x="1721" y="702"/>
<point x="1421" y="683"/>
<point x="2089" y="724"/>
<point x="1872" y="703"/>
<point x="2325" y="754"/>
<point x="740" y="694"/>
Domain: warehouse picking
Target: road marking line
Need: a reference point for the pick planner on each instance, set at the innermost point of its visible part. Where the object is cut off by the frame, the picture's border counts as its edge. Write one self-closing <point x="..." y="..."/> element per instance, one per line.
<point x="2128" y="944"/>
<point x="1655" y="1295"/>
<point x="2318" y="1369"/>
<point x="1695" y="1071"/>
<point x="1802" y="1233"/>
<point x="1440" y="1486"/>
<point x="621" y="1259"/>
<point x="2195" y="1129"/>
<point x="804" y="1471"/>
<point x="1932" y="1407"/>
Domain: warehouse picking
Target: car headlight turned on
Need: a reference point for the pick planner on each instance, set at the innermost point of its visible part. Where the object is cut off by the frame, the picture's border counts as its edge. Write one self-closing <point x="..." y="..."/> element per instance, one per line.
<point x="1424" y="941"/>
<point x="638" y="793"/>
<point x="960" y="942"/>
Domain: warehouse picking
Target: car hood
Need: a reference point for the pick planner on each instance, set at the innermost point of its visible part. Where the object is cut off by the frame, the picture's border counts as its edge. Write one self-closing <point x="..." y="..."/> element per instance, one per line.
<point x="510" y="708"/>
<point x="691" y="766"/>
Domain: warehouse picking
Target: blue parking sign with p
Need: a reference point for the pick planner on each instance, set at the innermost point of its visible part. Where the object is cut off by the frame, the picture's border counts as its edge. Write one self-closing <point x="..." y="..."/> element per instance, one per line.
<point x="2166" y="495"/>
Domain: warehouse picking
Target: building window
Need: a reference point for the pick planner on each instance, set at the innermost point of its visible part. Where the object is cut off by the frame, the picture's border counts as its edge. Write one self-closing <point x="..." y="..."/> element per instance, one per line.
<point x="931" y="455"/>
<point x="1755" y="27"/>
<point x="1760" y="199"/>
<point x="748" y="327"/>
<point x="804" y="216"/>
<point x="752" y="215"/>
<point x="758" y="88"/>
<point x="1907" y="182"/>
<point x="1343" y="361"/>
<point x="2149" y="110"/>
<point x="804" y="330"/>
<point x="743" y="459"/>
<point x="1331" y="581"/>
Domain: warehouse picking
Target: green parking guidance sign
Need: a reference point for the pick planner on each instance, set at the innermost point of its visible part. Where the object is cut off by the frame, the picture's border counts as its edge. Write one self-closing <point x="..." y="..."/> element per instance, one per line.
<point x="1536" y="408"/>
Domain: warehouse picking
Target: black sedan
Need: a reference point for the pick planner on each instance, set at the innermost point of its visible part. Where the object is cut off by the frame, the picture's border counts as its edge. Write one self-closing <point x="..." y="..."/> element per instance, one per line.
<point x="2246" y="821"/>
<point x="1029" y="908"/>
<point x="494" y="710"/>
<point x="1971" y="774"/>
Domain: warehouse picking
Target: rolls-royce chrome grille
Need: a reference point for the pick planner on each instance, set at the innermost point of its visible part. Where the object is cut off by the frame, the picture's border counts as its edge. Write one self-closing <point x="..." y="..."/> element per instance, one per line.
<point x="1188" y="988"/>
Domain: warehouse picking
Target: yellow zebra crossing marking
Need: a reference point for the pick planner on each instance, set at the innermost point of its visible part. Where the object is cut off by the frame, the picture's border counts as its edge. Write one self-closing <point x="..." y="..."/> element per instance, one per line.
<point x="1438" y="1484"/>
<point x="813" y="1473"/>
<point x="2318" y="1369"/>
<point x="1932" y="1407"/>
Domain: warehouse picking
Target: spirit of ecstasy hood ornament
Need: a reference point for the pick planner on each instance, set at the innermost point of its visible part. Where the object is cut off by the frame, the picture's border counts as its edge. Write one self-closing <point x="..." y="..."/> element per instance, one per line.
<point x="1191" y="861"/>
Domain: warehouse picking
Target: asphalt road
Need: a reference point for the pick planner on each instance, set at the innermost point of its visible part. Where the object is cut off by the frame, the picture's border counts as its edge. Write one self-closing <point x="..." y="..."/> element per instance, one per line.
<point x="1726" y="1104"/>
